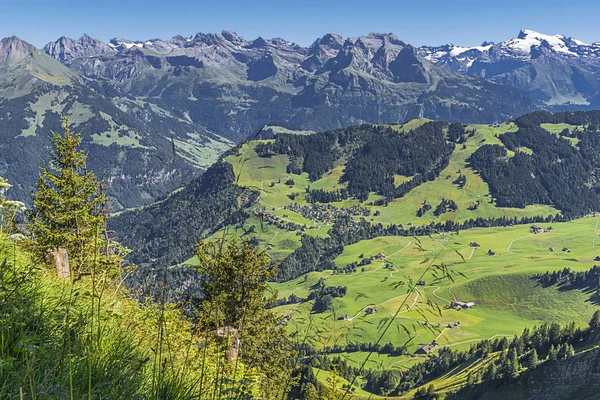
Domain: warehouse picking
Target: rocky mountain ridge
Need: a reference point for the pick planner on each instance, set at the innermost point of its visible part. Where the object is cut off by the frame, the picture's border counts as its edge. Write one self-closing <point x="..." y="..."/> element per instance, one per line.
<point x="558" y="71"/>
<point x="233" y="86"/>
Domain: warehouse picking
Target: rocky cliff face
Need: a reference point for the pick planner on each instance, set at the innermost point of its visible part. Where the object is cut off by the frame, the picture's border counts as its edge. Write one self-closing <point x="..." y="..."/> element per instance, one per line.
<point x="66" y="48"/>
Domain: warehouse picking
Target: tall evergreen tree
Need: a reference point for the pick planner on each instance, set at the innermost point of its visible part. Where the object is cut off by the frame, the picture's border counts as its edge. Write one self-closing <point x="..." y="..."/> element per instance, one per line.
<point x="235" y="287"/>
<point x="67" y="206"/>
<point x="533" y="359"/>
<point x="552" y="353"/>
<point x="511" y="369"/>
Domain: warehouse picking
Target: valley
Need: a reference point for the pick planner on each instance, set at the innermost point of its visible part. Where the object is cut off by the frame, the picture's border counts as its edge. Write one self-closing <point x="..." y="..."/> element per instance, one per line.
<point x="308" y="208"/>
<point x="399" y="288"/>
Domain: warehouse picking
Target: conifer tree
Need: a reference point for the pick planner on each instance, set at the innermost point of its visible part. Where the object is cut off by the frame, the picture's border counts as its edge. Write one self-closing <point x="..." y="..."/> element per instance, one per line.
<point x="595" y="320"/>
<point x="552" y="353"/>
<point x="533" y="359"/>
<point x="511" y="369"/>
<point x="236" y="295"/>
<point x="67" y="206"/>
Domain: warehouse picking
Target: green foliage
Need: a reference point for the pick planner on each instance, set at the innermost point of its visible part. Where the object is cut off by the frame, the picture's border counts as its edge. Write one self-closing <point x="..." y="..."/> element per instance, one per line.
<point x="235" y="286"/>
<point x="67" y="207"/>
<point x="8" y="209"/>
<point x="89" y="339"/>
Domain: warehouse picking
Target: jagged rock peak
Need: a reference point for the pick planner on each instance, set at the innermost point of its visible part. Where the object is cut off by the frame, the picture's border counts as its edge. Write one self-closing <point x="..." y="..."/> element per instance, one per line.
<point x="332" y="40"/>
<point x="232" y="36"/>
<point x="13" y="49"/>
<point x="66" y="48"/>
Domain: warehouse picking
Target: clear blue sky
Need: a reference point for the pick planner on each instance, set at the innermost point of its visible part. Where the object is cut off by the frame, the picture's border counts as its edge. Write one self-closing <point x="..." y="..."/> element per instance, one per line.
<point x="432" y="22"/>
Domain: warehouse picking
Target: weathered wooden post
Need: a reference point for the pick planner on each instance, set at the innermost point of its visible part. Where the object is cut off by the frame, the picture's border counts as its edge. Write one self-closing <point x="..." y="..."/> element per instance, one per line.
<point x="230" y="335"/>
<point x="60" y="259"/>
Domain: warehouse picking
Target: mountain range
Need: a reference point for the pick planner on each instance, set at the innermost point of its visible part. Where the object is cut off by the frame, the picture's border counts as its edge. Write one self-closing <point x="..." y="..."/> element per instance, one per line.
<point x="557" y="71"/>
<point x="155" y="113"/>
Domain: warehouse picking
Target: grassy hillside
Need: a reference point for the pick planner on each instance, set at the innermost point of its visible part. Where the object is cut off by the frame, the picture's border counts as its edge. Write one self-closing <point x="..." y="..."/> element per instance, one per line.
<point x="508" y="299"/>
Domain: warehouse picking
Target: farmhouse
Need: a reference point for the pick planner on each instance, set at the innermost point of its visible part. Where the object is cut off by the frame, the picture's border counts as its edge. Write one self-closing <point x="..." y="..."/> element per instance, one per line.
<point x="536" y="229"/>
<point x="378" y="256"/>
<point x="285" y="319"/>
<point x="457" y="305"/>
<point x="453" y="325"/>
<point x="426" y="349"/>
<point x="474" y="244"/>
<point x="371" y="310"/>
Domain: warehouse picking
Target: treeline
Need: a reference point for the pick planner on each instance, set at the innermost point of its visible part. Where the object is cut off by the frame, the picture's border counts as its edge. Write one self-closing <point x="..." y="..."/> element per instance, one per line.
<point x="568" y="279"/>
<point x="387" y="348"/>
<point x="316" y="154"/>
<point x="565" y="117"/>
<point x="546" y="342"/>
<point x="375" y="155"/>
<point x="323" y="296"/>
<point x="317" y="254"/>
<point x="557" y="173"/>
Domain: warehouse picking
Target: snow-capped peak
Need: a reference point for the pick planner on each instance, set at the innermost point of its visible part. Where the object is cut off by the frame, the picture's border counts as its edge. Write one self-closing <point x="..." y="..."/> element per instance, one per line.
<point x="120" y="44"/>
<point x="457" y="50"/>
<point x="528" y="38"/>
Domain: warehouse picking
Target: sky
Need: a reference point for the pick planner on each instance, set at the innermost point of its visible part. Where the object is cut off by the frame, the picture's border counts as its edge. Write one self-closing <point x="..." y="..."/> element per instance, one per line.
<point x="424" y="22"/>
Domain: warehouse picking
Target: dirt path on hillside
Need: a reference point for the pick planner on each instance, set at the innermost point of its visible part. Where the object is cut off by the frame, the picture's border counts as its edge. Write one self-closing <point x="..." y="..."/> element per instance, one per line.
<point x="391" y="255"/>
<point x="511" y="243"/>
<point x="387" y="301"/>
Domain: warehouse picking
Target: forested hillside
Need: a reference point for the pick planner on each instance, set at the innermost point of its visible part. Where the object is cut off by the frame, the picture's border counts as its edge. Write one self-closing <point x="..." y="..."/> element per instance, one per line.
<point x="523" y="165"/>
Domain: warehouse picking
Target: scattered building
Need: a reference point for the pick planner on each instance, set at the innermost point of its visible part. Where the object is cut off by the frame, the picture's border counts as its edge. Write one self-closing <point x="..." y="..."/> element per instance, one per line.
<point x="285" y="319"/>
<point x="457" y="305"/>
<point x="453" y="325"/>
<point x="371" y="310"/>
<point x="566" y="250"/>
<point x="536" y="229"/>
<point x="379" y="256"/>
<point x="426" y="349"/>
<point x="551" y="248"/>
<point x="421" y="283"/>
<point x="474" y="244"/>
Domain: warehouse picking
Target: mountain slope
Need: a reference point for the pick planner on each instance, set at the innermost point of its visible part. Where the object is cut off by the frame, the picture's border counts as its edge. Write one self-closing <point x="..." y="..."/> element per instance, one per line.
<point x="558" y="71"/>
<point x="130" y="142"/>
<point x="436" y="176"/>
<point x="233" y="86"/>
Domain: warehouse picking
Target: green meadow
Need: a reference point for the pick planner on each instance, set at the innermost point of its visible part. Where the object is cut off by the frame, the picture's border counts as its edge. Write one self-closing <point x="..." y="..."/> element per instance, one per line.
<point x="507" y="297"/>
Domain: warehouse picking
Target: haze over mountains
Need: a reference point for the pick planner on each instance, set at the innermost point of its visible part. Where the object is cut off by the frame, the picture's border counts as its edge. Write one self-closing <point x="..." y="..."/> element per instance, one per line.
<point x="138" y="101"/>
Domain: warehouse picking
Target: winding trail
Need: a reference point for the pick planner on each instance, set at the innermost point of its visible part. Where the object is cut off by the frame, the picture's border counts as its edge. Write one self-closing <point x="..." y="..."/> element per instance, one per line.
<point x="391" y="255"/>
<point x="472" y="252"/>
<point x="441" y="333"/>
<point x="511" y="243"/>
<point x="477" y="340"/>
<point x="435" y="295"/>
